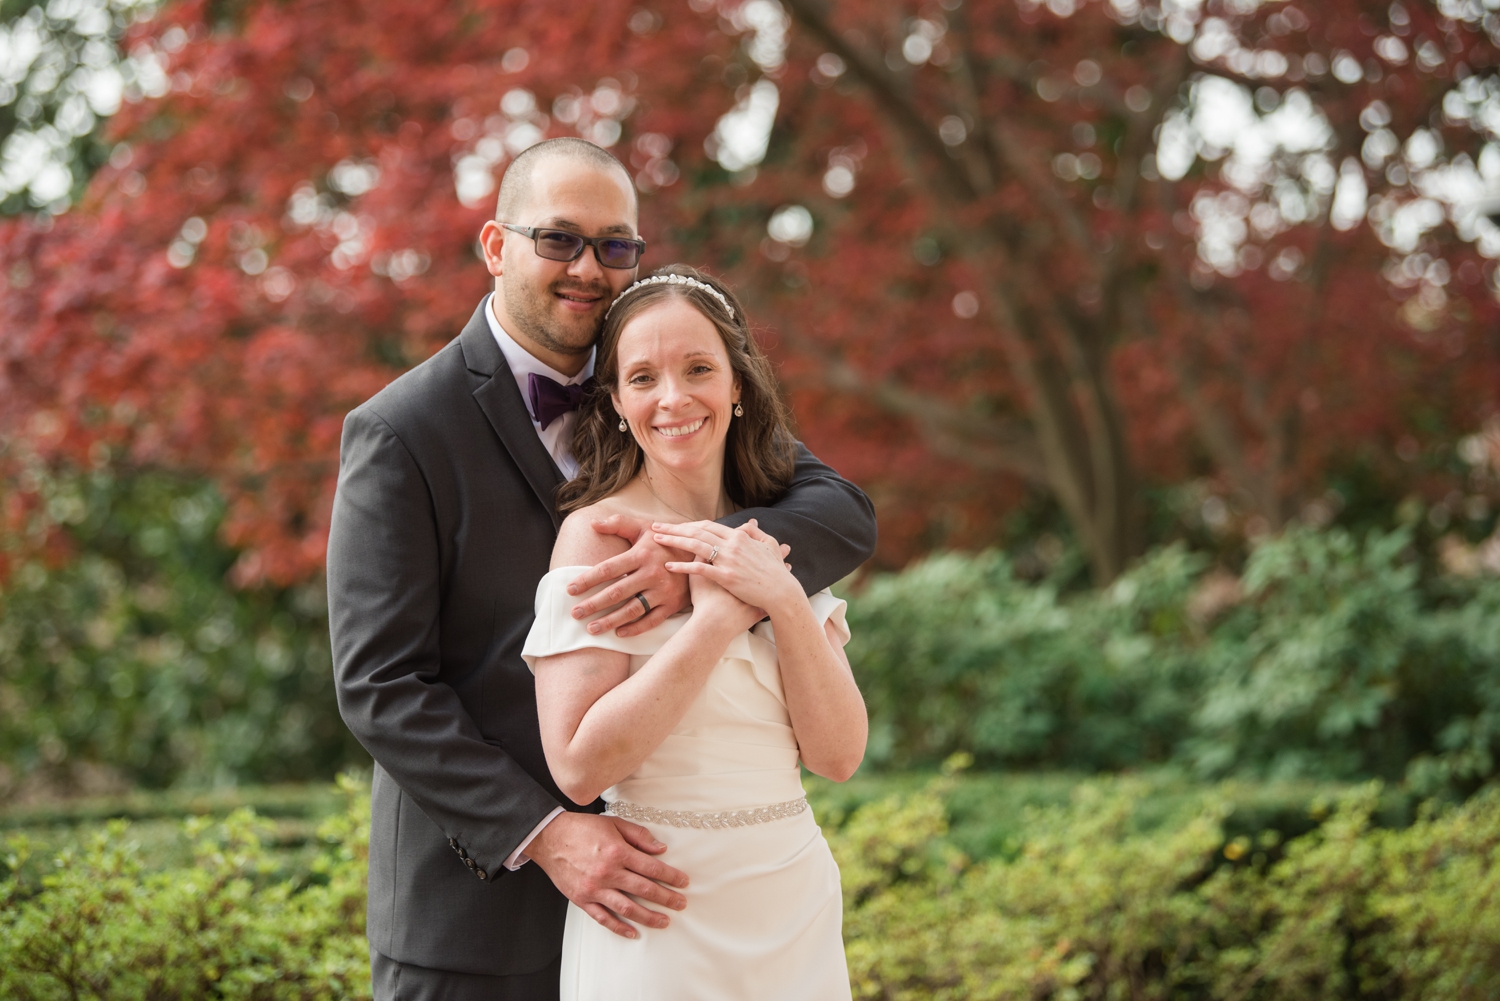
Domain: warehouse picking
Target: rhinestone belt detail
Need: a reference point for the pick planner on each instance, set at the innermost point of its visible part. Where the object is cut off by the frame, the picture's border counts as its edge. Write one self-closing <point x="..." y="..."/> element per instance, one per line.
<point x="688" y="818"/>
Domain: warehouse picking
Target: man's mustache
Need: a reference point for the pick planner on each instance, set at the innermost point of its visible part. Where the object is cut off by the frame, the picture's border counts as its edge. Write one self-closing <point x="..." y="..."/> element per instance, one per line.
<point x="604" y="292"/>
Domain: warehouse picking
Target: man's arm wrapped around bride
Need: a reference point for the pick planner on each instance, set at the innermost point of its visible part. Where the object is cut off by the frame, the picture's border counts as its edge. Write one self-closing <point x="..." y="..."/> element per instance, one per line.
<point x="697" y="728"/>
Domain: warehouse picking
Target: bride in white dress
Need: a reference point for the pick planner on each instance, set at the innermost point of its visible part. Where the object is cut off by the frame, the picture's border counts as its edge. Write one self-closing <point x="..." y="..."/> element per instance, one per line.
<point x="696" y="728"/>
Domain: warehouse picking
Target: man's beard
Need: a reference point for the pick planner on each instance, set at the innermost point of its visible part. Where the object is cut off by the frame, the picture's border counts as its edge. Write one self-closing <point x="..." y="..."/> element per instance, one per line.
<point x="534" y="311"/>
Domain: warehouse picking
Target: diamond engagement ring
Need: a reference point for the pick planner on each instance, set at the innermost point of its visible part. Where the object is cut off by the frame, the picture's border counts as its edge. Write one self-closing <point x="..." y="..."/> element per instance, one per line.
<point x="712" y="556"/>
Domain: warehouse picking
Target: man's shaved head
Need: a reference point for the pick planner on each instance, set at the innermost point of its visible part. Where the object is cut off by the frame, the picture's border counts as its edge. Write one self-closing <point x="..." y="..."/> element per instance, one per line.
<point x="515" y="186"/>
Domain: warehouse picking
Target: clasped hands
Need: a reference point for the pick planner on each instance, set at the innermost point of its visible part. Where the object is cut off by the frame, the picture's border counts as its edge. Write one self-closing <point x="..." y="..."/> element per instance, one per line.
<point x="670" y="566"/>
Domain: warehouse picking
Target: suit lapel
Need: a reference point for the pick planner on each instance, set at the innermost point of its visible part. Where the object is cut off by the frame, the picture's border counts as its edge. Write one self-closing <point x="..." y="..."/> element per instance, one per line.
<point x="503" y="407"/>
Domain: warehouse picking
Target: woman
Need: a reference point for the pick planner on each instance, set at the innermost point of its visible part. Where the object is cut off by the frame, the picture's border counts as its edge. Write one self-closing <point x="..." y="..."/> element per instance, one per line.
<point x="695" y="729"/>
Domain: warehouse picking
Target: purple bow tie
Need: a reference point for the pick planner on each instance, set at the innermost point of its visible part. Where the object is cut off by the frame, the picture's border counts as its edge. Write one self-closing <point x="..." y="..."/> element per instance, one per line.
<point x="550" y="399"/>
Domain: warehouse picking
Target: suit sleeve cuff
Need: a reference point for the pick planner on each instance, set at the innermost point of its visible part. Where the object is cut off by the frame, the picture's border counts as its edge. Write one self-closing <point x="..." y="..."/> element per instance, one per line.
<point x="518" y="857"/>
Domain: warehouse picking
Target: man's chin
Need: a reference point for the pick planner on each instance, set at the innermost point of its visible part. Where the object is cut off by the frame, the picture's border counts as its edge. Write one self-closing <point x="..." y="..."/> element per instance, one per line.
<point x="574" y="329"/>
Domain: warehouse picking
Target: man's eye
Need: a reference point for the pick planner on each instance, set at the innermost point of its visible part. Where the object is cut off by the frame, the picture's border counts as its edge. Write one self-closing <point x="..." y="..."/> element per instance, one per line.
<point x="558" y="239"/>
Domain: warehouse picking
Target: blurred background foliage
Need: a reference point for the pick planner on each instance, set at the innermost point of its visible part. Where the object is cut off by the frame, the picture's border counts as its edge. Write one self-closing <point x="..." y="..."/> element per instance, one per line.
<point x="1331" y="656"/>
<point x="127" y="660"/>
<point x="62" y="75"/>
<point x="1178" y="318"/>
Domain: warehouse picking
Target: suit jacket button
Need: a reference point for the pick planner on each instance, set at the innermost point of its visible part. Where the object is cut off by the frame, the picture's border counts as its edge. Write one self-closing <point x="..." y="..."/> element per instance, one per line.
<point x="469" y="862"/>
<point x="481" y="874"/>
<point x="453" y="843"/>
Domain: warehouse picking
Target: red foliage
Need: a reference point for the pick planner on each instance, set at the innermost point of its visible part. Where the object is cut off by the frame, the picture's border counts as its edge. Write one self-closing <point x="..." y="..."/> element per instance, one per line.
<point x="310" y="286"/>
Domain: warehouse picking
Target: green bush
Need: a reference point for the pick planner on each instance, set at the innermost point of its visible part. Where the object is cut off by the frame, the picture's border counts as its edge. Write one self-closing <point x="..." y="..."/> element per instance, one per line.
<point x="137" y="656"/>
<point x="1093" y="898"/>
<point x="1329" y="657"/>
<point x="229" y="926"/>
<point x="1091" y="907"/>
<point x="957" y="654"/>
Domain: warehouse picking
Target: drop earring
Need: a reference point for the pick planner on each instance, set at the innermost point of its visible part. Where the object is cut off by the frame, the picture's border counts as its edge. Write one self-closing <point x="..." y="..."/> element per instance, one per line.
<point x="623" y="425"/>
<point x="739" y="411"/>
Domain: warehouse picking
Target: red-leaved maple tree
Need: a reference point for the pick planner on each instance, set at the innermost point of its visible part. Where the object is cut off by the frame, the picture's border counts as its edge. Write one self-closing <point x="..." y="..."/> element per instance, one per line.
<point x="1079" y="247"/>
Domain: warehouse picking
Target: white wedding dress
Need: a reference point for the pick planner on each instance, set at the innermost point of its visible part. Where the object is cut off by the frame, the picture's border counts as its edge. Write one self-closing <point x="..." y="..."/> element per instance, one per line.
<point x="764" y="913"/>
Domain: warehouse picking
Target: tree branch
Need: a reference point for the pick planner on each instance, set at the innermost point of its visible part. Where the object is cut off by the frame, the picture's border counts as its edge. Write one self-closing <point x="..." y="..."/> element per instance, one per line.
<point x="902" y="110"/>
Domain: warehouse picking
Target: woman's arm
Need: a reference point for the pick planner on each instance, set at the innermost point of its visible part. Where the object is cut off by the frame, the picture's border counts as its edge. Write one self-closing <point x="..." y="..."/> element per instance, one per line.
<point x="827" y="711"/>
<point x="599" y="722"/>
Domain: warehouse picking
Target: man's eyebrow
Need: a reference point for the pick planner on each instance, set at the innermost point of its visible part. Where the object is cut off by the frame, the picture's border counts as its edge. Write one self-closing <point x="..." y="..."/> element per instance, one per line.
<point x="558" y="222"/>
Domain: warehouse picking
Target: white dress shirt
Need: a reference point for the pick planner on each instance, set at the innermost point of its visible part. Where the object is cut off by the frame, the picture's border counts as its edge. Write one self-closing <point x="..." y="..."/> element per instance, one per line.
<point x="558" y="436"/>
<point x="558" y="440"/>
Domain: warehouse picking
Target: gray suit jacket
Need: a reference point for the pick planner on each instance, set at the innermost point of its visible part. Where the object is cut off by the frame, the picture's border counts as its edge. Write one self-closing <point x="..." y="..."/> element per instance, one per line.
<point x="443" y="523"/>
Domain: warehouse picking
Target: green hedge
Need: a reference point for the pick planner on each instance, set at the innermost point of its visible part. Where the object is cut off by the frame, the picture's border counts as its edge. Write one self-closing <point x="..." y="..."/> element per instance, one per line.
<point x="1330" y="657"/>
<point x="1090" y="900"/>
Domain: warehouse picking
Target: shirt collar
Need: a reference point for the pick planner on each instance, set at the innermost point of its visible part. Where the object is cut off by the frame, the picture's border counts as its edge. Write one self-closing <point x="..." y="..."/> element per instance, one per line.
<point x="522" y="362"/>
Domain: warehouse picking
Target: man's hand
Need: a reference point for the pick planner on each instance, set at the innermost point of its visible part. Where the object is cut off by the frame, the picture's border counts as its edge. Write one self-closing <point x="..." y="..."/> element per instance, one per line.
<point x="640" y="570"/>
<point x="595" y="861"/>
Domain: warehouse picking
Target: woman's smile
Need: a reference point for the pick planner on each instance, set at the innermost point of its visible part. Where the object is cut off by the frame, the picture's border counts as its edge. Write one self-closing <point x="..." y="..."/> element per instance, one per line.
<point x="680" y="430"/>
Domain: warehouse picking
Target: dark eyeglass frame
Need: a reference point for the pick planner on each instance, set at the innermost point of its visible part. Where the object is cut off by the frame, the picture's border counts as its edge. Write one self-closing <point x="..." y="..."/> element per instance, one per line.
<point x="534" y="233"/>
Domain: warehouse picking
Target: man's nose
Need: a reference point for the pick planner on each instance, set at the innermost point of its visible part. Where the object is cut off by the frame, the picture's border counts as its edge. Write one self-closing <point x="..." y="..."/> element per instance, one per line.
<point x="586" y="265"/>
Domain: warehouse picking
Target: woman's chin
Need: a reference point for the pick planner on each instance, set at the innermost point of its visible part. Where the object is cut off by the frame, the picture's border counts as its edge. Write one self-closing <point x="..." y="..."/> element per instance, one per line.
<point x="687" y="456"/>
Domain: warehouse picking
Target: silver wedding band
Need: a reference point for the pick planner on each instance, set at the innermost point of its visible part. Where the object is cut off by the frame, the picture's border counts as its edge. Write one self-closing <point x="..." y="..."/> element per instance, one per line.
<point x="644" y="604"/>
<point x="713" y="556"/>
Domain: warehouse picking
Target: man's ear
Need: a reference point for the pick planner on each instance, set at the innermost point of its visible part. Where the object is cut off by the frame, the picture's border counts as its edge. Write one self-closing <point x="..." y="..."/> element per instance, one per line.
<point x="492" y="242"/>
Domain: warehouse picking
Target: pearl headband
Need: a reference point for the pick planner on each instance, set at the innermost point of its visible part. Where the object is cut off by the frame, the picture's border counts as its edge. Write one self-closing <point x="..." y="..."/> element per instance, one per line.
<point x="673" y="280"/>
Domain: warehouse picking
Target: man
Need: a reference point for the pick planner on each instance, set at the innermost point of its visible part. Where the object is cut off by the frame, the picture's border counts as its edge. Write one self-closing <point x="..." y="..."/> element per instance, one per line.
<point x="443" y="524"/>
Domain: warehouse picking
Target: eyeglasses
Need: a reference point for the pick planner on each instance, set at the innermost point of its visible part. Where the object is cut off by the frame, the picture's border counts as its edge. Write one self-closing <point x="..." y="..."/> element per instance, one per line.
<point x="560" y="245"/>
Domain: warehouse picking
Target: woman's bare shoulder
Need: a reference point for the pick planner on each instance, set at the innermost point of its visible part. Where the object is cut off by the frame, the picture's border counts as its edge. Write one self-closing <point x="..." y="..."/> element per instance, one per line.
<point x="578" y="545"/>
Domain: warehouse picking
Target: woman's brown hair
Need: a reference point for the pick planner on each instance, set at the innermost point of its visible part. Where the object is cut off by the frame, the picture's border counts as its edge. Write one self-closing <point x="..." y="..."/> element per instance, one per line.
<point x="759" y="449"/>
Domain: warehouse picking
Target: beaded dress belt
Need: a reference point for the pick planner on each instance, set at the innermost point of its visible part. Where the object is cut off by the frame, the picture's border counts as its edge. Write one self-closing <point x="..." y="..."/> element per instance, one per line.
<point x="688" y="818"/>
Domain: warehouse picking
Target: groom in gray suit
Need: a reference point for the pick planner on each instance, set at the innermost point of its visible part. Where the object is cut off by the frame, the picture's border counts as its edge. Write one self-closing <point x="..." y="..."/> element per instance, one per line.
<point x="443" y="524"/>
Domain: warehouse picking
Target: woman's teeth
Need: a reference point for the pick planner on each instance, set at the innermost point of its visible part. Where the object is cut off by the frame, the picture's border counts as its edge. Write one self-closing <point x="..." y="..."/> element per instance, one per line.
<point x="678" y="432"/>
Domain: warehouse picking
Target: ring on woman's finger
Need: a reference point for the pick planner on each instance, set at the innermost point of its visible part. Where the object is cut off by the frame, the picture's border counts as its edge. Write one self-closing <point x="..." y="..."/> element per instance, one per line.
<point x="712" y="556"/>
<point x="644" y="604"/>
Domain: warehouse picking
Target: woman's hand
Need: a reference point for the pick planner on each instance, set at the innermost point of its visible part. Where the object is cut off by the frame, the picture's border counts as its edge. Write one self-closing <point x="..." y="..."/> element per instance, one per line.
<point x="712" y="600"/>
<point x="744" y="561"/>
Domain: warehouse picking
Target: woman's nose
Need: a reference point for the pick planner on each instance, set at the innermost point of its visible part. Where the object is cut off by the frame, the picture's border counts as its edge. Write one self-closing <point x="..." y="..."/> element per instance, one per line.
<point x="673" y="394"/>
